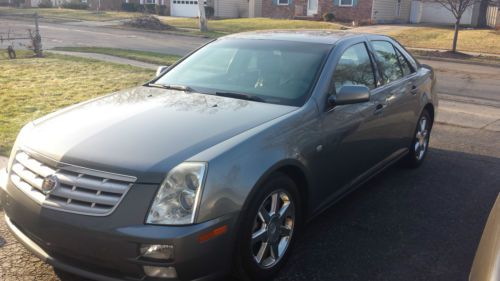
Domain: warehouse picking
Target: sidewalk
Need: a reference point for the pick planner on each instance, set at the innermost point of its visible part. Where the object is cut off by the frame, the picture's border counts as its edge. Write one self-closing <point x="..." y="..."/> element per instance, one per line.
<point x="107" y="58"/>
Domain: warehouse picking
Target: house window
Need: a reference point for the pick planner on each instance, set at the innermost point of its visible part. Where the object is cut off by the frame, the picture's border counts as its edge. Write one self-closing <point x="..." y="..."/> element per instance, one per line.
<point x="348" y="3"/>
<point x="283" y="2"/>
<point x="150" y="1"/>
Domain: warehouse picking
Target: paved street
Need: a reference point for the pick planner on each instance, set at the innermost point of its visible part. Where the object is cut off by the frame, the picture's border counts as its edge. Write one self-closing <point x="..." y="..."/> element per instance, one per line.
<point x="421" y="224"/>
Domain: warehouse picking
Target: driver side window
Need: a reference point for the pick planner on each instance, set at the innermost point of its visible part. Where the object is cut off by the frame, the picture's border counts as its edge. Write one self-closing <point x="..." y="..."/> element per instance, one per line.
<point x="354" y="68"/>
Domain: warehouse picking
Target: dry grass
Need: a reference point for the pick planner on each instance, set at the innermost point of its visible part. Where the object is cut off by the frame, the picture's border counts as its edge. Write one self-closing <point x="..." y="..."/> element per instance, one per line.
<point x="472" y="40"/>
<point x="33" y="87"/>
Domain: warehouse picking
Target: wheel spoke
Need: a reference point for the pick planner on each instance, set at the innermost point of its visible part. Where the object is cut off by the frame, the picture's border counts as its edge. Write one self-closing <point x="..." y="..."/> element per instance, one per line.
<point x="275" y="253"/>
<point x="261" y="253"/>
<point x="284" y="211"/>
<point x="259" y="236"/>
<point x="274" y="204"/>
<point x="423" y="124"/>
<point x="264" y="215"/>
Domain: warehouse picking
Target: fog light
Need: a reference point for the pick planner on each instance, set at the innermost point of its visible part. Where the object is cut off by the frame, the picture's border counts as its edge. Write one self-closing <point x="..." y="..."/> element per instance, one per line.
<point x="159" y="252"/>
<point x="160" y="272"/>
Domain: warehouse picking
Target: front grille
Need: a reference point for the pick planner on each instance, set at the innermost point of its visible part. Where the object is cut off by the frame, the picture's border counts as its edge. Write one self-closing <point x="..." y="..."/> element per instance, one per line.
<point x="80" y="190"/>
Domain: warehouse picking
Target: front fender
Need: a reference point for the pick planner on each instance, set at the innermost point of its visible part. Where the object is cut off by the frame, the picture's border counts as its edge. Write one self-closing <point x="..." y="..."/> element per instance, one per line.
<point x="239" y="165"/>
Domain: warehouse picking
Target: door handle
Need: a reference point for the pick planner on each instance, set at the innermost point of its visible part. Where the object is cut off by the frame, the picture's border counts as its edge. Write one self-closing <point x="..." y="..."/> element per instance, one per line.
<point x="379" y="108"/>
<point x="414" y="90"/>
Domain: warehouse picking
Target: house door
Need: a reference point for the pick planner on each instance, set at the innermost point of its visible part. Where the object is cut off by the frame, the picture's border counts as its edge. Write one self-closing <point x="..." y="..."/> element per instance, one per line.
<point x="312" y="7"/>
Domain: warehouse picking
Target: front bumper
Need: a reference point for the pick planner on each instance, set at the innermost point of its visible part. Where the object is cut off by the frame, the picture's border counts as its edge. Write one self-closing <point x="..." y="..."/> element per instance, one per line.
<point x="107" y="248"/>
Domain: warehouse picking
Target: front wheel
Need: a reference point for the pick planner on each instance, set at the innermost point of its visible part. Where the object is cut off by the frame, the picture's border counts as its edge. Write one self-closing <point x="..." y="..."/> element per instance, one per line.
<point x="420" y="143"/>
<point x="268" y="229"/>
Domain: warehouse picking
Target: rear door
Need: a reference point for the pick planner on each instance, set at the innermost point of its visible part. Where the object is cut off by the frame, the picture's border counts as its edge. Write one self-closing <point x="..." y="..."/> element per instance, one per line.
<point x="397" y="92"/>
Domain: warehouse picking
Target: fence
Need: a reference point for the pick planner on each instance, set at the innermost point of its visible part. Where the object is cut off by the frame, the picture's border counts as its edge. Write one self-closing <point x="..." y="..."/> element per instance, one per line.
<point x="493" y="17"/>
<point x="33" y="37"/>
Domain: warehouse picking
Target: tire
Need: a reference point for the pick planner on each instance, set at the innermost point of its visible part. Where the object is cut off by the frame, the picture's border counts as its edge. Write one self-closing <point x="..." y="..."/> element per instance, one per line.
<point x="263" y="233"/>
<point x="420" y="142"/>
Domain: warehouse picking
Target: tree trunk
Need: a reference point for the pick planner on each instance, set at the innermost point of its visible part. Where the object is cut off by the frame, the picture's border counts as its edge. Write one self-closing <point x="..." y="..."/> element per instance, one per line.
<point x="203" y="18"/>
<point x="455" y="36"/>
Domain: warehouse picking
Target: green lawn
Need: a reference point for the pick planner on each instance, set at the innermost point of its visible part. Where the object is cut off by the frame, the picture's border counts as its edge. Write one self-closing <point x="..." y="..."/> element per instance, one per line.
<point x="472" y="40"/>
<point x="69" y="14"/>
<point x="33" y="87"/>
<point x="228" y="26"/>
<point x="149" y="57"/>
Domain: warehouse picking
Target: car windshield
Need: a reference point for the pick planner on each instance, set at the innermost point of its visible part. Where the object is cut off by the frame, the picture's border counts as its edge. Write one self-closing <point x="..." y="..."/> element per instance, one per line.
<point x="272" y="71"/>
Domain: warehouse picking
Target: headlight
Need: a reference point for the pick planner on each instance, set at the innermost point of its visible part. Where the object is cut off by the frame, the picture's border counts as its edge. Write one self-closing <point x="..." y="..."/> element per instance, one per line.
<point x="178" y="197"/>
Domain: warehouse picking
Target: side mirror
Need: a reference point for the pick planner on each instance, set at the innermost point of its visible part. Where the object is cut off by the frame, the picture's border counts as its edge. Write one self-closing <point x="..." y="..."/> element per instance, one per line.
<point x="161" y="69"/>
<point x="350" y="94"/>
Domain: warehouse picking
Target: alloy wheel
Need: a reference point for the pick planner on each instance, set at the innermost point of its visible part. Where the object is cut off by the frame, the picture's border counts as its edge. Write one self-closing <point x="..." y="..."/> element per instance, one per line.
<point x="272" y="229"/>
<point x="421" y="138"/>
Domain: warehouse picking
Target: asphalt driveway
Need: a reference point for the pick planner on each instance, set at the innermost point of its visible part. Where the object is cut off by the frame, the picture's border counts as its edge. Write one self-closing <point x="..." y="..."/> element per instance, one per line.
<point x="421" y="224"/>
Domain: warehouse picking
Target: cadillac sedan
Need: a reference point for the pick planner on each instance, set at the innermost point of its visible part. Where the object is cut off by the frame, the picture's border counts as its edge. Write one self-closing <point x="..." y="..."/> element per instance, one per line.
<point x="213" y="167"/>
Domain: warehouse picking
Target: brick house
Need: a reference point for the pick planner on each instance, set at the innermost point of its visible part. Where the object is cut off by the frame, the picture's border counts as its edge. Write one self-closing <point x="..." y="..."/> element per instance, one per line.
<point x="376" y="11"/>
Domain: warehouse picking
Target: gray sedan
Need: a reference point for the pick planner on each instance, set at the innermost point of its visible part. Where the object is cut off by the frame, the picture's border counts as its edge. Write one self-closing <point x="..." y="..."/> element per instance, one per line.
<point x="213" y="167"/>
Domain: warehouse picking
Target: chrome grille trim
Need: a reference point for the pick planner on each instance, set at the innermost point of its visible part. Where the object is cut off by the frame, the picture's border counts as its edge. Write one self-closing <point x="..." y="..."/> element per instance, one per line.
<point x="82" y="191"/>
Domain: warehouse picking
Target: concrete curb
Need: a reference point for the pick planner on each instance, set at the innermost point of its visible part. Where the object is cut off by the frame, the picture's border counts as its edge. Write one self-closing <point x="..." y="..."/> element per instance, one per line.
<point x="456" y="60"/>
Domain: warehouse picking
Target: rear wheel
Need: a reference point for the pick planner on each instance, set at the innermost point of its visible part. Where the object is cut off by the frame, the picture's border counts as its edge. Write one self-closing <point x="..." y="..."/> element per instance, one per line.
<point x="420" y="143"/>
<point x="268" y="229"/>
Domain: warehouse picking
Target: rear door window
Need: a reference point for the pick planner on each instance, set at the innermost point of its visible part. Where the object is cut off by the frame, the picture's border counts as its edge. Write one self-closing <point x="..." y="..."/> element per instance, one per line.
<point x="388" y="61"/>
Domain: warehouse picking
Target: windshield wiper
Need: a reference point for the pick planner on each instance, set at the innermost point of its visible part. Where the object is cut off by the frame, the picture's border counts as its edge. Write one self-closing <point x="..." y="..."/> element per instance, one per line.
<point x="239" y="96"/>
<point x="172" y="87"/>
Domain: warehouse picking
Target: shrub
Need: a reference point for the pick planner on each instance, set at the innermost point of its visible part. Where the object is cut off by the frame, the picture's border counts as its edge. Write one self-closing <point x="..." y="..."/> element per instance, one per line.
<point x="148" y="22"/>
<point x="150" y="8"/>
<point x="161" y="10"/>
<point x="75" y="5"/>
<point x="209" y="12"/>
<point x="131" y="7"/>
<point x="45" y="4"/>
<point x="328" y="16"/>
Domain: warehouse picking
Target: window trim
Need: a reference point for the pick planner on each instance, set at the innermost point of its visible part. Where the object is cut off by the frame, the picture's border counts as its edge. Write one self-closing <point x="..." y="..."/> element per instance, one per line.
<point x="283" y="4"/>
<point x="346" y="5"/>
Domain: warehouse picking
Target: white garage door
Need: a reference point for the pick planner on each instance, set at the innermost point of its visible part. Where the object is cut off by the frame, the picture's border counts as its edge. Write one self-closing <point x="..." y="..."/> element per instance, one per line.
<point x="184" y="8"/>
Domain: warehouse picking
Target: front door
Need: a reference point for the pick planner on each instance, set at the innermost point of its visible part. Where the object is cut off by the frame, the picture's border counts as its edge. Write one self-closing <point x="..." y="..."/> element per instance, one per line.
<point x="353" y="139"/>
<point x="312" y="7"/>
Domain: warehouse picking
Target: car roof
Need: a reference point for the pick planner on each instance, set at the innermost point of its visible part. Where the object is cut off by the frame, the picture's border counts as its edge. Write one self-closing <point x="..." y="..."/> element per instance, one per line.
<point x="323" y="36"/>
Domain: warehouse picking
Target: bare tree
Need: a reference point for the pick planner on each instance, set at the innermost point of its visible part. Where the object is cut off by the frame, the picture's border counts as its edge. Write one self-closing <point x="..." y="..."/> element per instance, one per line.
<point x="457" y="8"/>
<point x="203" y="17"/>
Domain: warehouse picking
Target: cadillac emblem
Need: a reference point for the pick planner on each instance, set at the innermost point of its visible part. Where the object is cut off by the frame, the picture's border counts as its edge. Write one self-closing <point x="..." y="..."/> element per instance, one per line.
<point x="49" y="184"/>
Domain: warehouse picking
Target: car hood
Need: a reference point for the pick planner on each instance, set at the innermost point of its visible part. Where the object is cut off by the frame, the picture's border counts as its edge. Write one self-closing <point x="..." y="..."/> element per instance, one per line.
<point x="144" y="131"/>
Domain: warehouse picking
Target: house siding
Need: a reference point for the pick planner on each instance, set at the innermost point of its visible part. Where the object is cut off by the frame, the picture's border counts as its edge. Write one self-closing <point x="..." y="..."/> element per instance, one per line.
<point x="385" y="11"/>
<point x="231" y="8"/>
